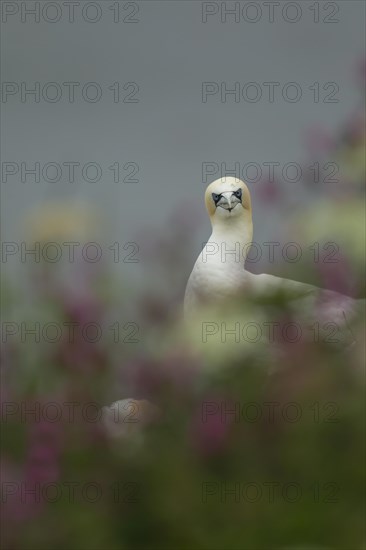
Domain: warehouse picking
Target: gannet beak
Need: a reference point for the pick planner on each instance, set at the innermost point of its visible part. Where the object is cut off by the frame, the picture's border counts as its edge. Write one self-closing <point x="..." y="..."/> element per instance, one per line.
<point x="226" y="201"/>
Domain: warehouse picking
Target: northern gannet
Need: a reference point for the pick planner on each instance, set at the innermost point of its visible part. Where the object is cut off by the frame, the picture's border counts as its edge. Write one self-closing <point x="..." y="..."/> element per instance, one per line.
<point x="219" y="275"/>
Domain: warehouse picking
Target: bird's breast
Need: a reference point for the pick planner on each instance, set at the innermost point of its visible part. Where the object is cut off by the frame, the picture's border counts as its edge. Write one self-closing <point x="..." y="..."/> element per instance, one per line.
<point x="213" y="280"/>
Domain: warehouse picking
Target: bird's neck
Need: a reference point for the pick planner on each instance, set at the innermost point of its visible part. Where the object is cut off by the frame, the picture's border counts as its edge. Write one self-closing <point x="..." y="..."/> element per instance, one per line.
<point x="233" y="239"/>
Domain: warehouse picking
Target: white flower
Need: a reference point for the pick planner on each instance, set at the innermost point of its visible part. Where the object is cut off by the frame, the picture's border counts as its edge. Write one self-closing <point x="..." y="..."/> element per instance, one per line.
<point x="127" y="417"/>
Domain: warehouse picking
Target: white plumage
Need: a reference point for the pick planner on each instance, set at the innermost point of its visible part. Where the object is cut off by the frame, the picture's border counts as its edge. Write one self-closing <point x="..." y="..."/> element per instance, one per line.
<point x="219" y="275"/>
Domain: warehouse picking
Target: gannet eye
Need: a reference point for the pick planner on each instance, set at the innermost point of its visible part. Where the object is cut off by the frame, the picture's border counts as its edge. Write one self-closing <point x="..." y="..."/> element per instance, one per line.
<point x="216" y="197"/>
<point x="238" y="194"/>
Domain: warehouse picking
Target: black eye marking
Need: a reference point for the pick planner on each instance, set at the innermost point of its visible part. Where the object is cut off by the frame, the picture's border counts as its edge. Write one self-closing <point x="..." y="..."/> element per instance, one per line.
<point x="216" y="197"/>
<point x="238" y="194"/>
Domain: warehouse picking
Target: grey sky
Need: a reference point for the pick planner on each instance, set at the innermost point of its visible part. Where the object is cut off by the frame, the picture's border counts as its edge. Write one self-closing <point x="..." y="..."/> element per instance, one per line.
<point x="169" y="132"/>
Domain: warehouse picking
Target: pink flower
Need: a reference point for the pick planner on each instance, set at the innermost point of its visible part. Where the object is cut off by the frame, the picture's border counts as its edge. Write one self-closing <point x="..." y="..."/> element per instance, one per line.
<point x="210" y="429"/>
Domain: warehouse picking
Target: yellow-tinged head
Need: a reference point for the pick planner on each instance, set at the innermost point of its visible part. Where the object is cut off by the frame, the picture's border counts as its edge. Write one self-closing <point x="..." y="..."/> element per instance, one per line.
<point x="228" y="199"/>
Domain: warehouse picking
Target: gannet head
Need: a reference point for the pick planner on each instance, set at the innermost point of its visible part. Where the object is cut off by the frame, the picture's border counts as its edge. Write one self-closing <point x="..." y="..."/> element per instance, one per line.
<point x="227" y="200"/>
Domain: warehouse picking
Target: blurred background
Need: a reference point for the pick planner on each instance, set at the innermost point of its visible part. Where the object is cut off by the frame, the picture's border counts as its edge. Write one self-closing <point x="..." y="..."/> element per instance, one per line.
<point x="104" y="167"/>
